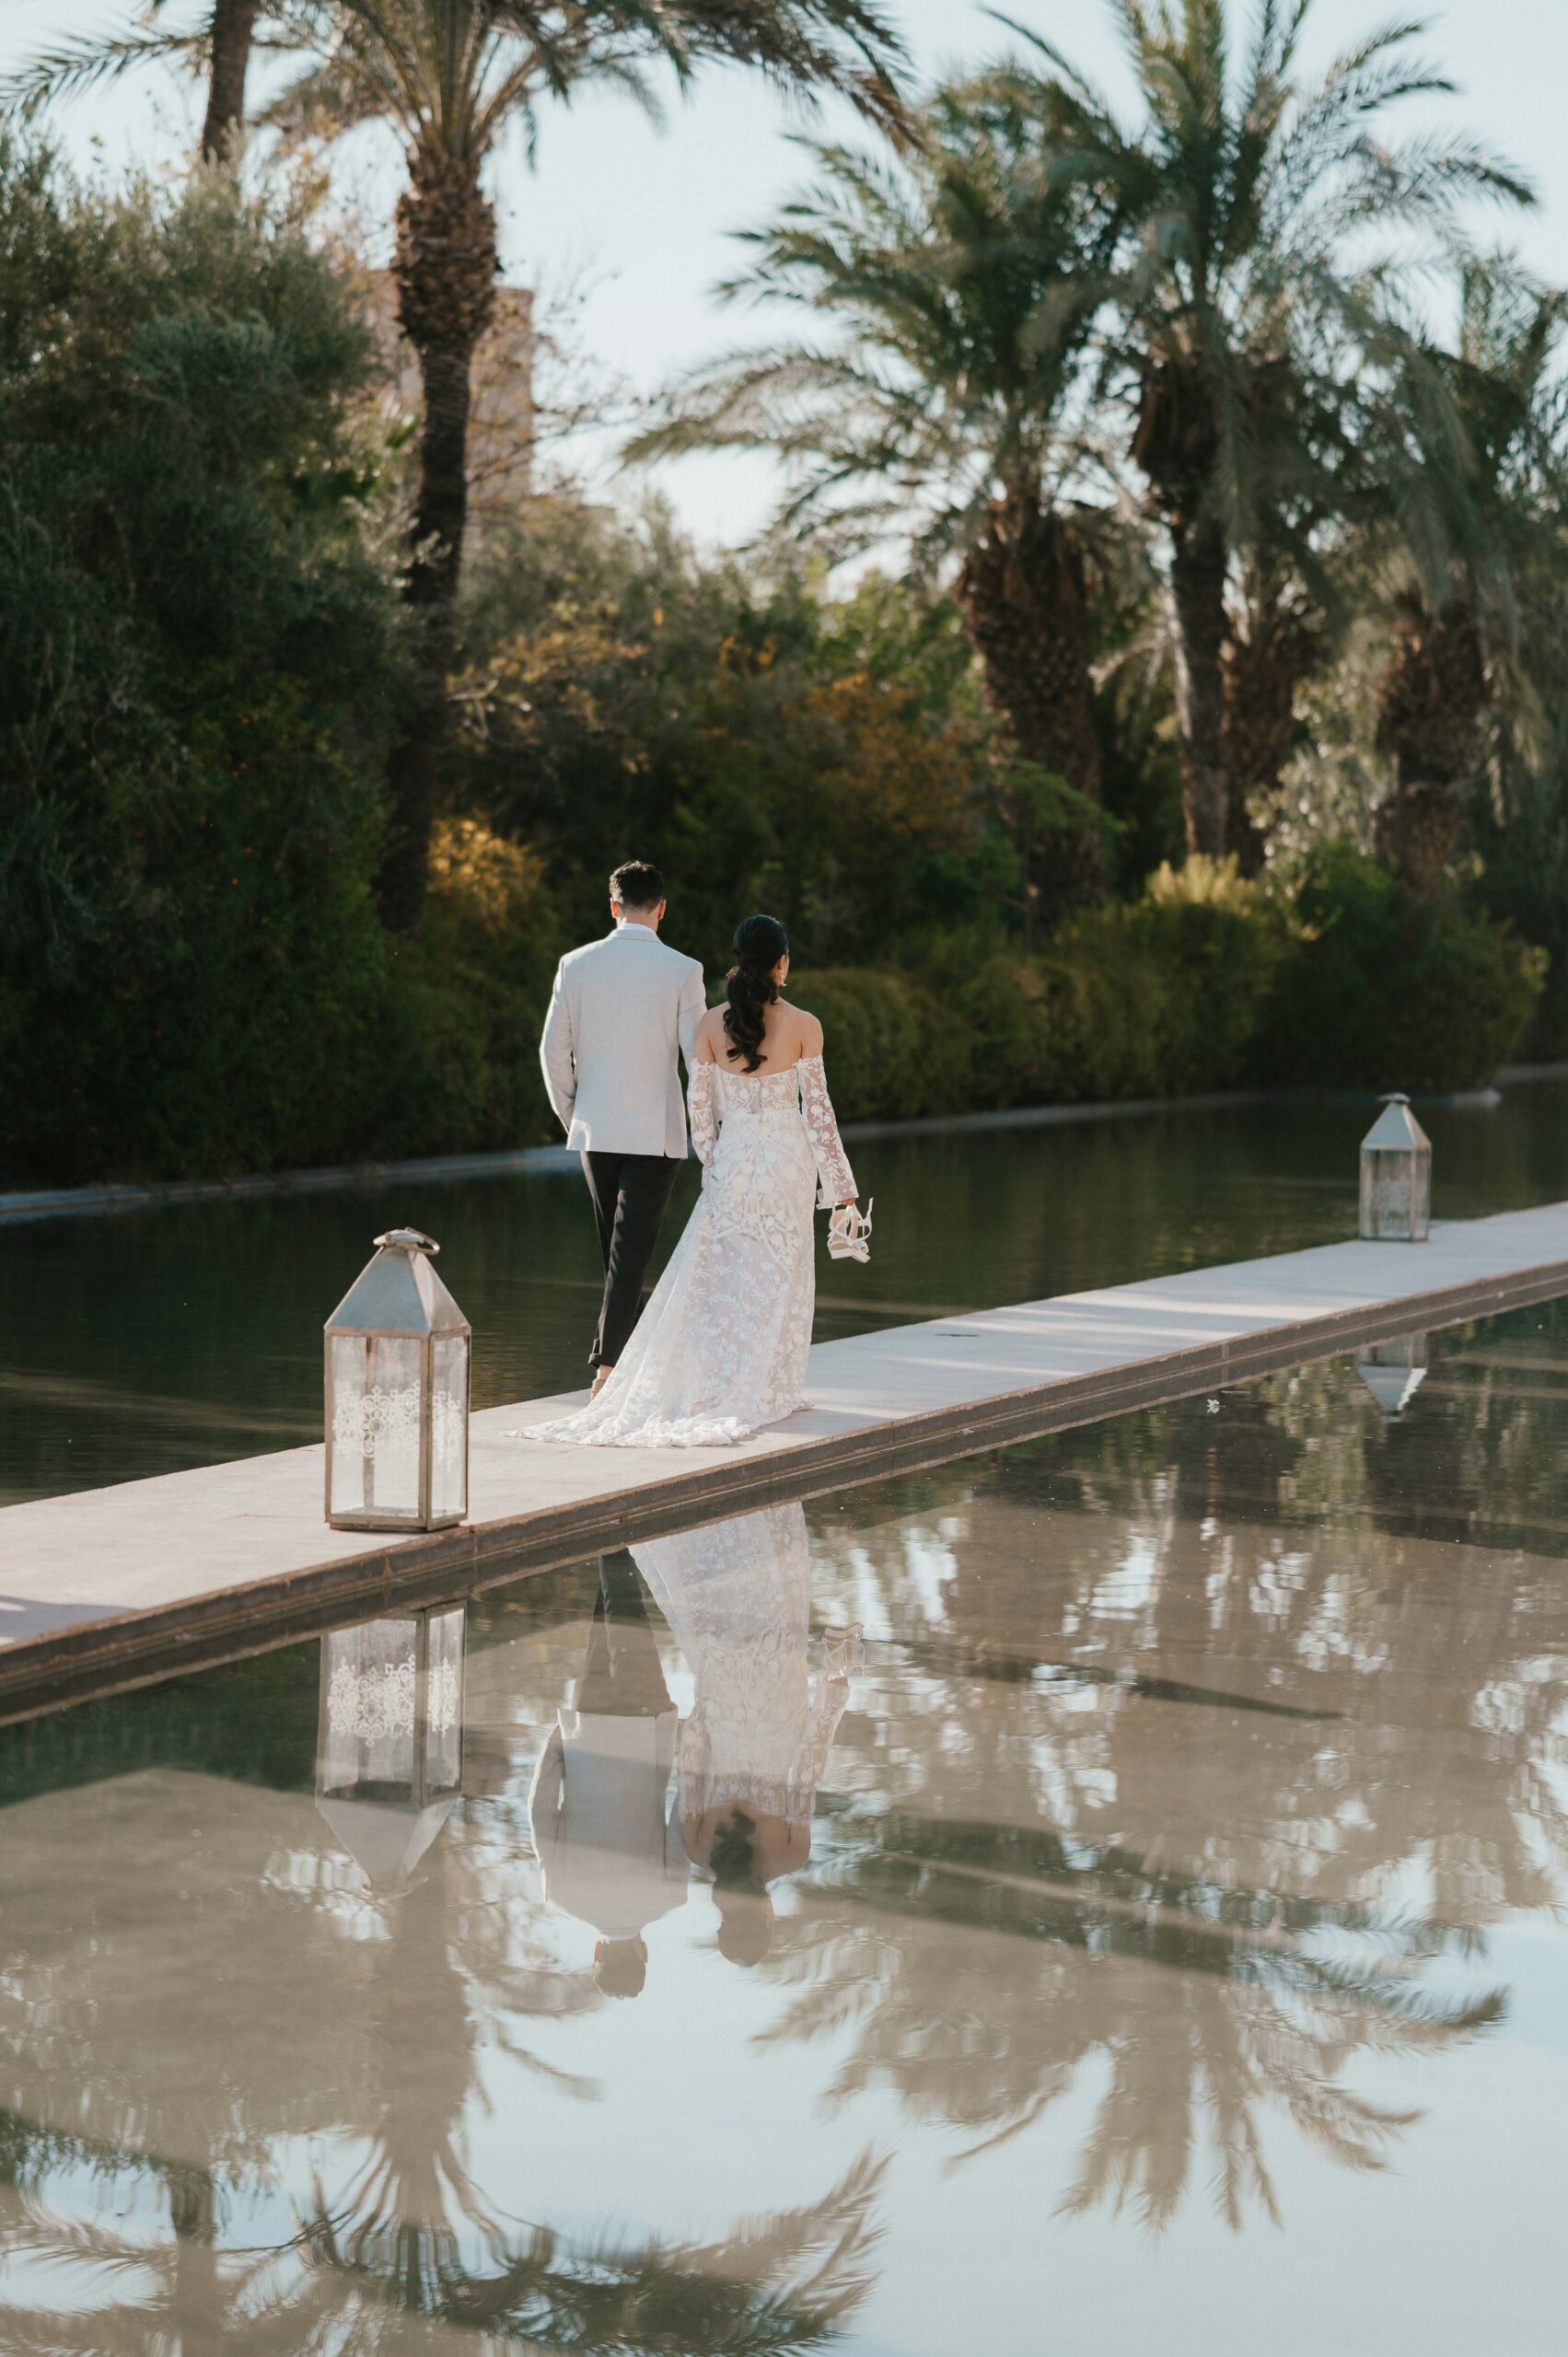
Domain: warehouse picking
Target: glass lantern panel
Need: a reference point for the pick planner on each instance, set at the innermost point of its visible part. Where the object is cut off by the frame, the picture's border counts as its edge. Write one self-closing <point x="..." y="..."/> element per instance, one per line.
<point x="370" y="1692"/>
<point x="449" y="1426"/>
<point x="1388" y="1185"/>
<point x="1421" y="1194"/>
<point x="376" y="1436"/>
<point x="444" y="1704"/>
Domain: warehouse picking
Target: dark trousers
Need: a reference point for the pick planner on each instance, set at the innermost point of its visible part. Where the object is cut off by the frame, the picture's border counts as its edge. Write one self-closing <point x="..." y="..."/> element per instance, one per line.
<point x="622" y="1676"/>
<point x="629" y="1191"/>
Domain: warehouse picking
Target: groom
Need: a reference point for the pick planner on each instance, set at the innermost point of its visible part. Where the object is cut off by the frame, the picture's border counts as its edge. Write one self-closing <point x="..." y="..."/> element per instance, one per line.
<point x="621" y="1011"/>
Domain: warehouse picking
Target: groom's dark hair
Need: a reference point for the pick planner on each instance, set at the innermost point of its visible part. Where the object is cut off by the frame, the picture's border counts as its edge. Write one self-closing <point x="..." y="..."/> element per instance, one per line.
<point x="637" y="884"/>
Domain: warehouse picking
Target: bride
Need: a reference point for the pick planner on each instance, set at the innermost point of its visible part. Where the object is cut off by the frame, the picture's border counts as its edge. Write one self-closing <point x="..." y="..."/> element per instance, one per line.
<point x="721" y="1348"/>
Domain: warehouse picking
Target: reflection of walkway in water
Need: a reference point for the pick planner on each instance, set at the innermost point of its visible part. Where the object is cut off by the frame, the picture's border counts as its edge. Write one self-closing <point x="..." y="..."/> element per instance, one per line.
<point x="738" y="1596"/>
<point x="253" y="1532"/>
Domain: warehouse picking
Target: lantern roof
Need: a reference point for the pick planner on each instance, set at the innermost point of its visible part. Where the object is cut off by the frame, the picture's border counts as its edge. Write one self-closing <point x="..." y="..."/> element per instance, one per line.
<point x="386" y="1839"/>
<point x="399" y="1292"/>
<point x="1396" y="1129"/>
<point x="1393" y="1388"/>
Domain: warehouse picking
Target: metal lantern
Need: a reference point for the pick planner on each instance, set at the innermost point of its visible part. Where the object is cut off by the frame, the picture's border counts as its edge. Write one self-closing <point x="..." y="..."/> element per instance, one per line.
<point x="1396" y="1177"/>
<point x="398" y="1395"/>
<point x="390" y="1735"/>
<point x="1393" y="1373"/>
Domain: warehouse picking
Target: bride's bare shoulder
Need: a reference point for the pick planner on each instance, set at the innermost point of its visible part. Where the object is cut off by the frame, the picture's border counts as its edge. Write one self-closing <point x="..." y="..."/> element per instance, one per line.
<point x="808" y="1030"/>
<point x="710" y="1035"/>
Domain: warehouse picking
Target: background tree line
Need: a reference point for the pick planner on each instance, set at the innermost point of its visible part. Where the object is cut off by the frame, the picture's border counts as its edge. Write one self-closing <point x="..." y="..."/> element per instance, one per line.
<point x="1196" y="721"/>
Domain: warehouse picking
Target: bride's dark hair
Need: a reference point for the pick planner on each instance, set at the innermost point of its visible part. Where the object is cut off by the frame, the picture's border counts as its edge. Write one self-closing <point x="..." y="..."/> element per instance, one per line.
<point x="760" y="943"/>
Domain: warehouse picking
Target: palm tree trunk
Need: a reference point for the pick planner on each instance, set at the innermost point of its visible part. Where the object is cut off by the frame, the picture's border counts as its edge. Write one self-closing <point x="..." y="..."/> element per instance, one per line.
<point x="430" y="586"/>
<point x="1024" y="592"/>
<point x="198" y="2295"/>
<point x="1429" y="722"/>
<point x="1199" y="563"/>
<point x="445" y="268"/>
<point x="234" y="23"/>
<point x="1263" y="670"/>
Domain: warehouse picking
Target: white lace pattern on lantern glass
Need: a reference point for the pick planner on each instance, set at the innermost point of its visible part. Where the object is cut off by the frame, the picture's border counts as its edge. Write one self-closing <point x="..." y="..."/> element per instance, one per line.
<point x="448" y="1425"/>
<point x="444" y="1702"/>
<point x="377" y="1419"/>
<point x="371" y="1681"/>
<point x="374" y="1696"/>
<point x="376" y="1429"/>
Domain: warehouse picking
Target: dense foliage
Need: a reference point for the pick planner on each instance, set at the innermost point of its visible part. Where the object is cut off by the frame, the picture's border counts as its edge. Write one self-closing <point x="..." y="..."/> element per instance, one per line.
<point x="203" y="659"/>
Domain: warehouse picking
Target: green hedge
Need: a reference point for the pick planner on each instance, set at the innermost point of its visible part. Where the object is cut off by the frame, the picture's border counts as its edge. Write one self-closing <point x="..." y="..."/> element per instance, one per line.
<point x="1177" y="994"/>
<point x="1391" y="991"/>
<point x="342" y="1043"/>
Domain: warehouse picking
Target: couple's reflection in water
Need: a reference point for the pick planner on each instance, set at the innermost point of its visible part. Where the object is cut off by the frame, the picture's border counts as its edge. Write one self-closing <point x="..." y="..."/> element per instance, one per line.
<point x="616" y="1843"/>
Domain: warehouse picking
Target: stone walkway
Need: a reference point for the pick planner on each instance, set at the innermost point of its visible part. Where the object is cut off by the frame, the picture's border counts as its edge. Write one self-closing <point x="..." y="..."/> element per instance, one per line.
<point x="108" y="1588"/>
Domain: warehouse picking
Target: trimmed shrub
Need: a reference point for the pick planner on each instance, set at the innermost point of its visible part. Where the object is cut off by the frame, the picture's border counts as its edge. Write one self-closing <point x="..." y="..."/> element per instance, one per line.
<point x="1384" y="991"/>
<point x="893" y="1050"/>
<point x="1203" y="984"/>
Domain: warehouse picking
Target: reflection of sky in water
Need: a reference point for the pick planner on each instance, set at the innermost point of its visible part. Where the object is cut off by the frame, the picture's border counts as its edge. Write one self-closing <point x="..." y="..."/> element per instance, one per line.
<point x="1181" y="1954"/>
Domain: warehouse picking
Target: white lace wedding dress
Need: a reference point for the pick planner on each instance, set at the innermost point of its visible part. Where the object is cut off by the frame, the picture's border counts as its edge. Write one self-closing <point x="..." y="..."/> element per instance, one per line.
<point x="737" y="1598"/>
<point x="721" y="1348"/>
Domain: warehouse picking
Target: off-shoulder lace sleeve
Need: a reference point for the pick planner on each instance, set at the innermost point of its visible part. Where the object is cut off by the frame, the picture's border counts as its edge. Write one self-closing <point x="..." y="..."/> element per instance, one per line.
<point x="702" y="1098"/>
<point x="836" y="1180"/>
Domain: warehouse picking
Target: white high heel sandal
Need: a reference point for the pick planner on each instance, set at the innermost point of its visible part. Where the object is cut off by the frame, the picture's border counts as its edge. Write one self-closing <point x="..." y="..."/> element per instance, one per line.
<point x="849" y="1232"/>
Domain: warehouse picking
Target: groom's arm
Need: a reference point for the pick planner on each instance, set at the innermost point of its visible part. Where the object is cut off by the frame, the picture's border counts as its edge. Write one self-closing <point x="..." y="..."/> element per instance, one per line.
<point x="557" y="1049"/>
<point x="693" y="1006"/>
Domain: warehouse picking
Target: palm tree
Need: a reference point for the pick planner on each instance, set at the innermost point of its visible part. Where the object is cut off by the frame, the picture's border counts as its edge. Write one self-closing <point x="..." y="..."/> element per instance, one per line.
<point x="773" y="2286"/>
<point x="451" y="75"/>
<point x="1471" y="456"/>
<point x="961" y="294"/>
<point x="1247" y="188"/>
<point x="218" y="45"/>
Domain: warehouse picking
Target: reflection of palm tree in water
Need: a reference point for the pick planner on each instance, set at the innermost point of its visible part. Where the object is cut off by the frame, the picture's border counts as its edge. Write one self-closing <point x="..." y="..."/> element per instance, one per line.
<point x="409" y="2246"/>
<point x="1290" y="1723"/>
<point x="777" y="2286"/>
<point x="1204" y="2001"/>
<point x="183" y="2304"/>
<point x="737" y="1597"/>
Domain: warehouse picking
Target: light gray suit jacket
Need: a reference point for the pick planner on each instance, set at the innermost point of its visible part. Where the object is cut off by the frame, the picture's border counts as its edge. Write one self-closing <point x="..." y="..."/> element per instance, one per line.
<point x="621" y="1011"/>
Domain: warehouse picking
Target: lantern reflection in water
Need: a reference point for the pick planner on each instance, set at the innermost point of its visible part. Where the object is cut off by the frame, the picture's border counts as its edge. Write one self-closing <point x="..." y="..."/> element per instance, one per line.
<point x="389" y="1748"/>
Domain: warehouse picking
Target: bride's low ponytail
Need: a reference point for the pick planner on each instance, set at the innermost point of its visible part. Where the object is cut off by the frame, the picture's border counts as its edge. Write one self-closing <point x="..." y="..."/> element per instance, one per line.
<point x="760" y="943"/>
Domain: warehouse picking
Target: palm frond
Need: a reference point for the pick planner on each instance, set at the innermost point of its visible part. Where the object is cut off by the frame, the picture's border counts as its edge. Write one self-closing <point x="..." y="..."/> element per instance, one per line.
<point x="82" y="66"/>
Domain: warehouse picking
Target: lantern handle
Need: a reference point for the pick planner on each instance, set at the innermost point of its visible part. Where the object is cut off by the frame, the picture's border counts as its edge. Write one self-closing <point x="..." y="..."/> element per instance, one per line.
<point x="406" y="1240"/>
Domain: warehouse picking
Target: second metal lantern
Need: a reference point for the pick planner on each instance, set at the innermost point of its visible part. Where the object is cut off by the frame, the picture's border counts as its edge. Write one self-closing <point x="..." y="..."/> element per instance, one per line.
<point x="1396" y="1177"/>
<point x="398" y="1395"/>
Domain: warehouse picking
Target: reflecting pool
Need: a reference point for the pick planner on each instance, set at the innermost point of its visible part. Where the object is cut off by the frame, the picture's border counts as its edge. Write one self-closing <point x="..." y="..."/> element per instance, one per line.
<point x="143" y="1343"/>
<point x="1107" y="1894"/>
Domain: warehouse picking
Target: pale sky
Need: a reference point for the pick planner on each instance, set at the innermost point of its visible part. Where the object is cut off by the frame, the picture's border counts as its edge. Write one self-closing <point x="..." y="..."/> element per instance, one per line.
<point x="640" y="218"/>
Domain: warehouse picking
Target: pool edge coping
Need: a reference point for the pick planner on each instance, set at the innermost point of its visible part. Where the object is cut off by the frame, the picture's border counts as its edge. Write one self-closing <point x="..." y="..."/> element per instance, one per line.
<point x="21" y="1206"/>
<point x="117" y="1653"/>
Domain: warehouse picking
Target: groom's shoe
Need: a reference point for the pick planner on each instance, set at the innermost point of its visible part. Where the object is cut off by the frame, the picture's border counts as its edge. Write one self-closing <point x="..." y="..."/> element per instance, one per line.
<point x="601" y="1376"/>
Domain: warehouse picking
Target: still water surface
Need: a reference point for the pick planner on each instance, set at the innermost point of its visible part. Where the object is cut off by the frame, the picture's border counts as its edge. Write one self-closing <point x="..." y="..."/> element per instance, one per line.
<point x="145" y="1343"/>
<point x="1147" y="1932"/>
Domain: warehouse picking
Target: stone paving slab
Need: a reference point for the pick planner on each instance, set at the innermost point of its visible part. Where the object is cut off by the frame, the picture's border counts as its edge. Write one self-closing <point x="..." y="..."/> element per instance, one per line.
<point x="108" y="1588"/>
